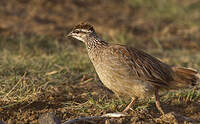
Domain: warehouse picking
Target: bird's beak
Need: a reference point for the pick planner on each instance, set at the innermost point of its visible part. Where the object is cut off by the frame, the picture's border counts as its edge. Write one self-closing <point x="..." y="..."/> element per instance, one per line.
<point x="69" y="35"/>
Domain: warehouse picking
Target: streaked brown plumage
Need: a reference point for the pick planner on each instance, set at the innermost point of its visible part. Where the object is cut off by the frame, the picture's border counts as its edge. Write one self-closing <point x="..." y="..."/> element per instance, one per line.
<point x="129" y="71"/>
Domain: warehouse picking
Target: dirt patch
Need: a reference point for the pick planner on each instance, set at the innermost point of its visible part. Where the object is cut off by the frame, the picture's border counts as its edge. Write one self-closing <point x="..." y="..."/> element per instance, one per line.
<point x="111" y="18"/>
<point x="70" y="104"/>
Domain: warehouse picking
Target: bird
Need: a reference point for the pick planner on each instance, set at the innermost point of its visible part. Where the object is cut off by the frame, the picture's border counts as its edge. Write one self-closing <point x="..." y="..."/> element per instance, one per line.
<point x="131" y="72"/>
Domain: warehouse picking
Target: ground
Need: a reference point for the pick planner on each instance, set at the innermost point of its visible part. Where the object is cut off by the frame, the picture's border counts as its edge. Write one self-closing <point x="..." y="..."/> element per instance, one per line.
<point x="43" y="71"/>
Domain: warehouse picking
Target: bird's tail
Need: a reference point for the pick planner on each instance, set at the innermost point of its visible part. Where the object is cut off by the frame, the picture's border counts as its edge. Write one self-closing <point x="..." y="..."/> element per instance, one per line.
<point x="185" y="77"/>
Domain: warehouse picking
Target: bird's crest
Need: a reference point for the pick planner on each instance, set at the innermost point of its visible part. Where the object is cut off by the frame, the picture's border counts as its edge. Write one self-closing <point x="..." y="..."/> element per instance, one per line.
<point x="85" y="26"/>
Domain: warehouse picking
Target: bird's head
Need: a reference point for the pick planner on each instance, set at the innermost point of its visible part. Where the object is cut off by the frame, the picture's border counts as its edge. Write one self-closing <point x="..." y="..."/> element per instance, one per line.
<point x="82" y="32"/>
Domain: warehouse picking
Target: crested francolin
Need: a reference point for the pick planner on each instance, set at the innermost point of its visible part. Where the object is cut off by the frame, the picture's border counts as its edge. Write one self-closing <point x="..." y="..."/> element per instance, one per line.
<point x="131" y="72"/>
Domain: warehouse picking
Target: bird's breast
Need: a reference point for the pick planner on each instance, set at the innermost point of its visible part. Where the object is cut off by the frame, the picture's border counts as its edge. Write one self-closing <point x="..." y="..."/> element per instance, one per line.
<point x="118" y="77"/>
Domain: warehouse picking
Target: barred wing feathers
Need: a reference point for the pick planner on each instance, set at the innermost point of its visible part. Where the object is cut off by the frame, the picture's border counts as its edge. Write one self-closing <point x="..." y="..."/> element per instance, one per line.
<point x="143" y="66"/>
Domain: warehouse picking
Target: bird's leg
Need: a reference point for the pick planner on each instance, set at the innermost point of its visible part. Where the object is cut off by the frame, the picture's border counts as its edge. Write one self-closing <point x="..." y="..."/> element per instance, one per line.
<point x="158" y="102"/>
<point x="130" y="104"/>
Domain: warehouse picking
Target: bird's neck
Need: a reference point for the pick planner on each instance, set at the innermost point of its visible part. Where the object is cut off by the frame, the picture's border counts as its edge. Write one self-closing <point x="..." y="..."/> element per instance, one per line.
<point x="95" y="43"/>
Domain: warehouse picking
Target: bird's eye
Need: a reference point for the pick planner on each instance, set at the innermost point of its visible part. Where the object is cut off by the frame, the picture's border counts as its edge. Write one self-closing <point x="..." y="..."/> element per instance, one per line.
<point x="76" y="31"/>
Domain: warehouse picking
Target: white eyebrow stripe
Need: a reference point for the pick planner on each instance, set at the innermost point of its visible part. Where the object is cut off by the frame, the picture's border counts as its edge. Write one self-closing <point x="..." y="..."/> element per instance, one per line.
<point x="83" y="30"/>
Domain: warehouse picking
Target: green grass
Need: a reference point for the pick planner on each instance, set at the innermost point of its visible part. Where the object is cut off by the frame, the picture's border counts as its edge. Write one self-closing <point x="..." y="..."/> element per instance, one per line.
<point x="27" y="65"/>
<point x="167" y="10"/>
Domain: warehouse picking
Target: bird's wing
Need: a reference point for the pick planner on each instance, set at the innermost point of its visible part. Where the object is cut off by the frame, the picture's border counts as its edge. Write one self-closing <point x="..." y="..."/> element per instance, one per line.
<point x="144" y="66"/>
